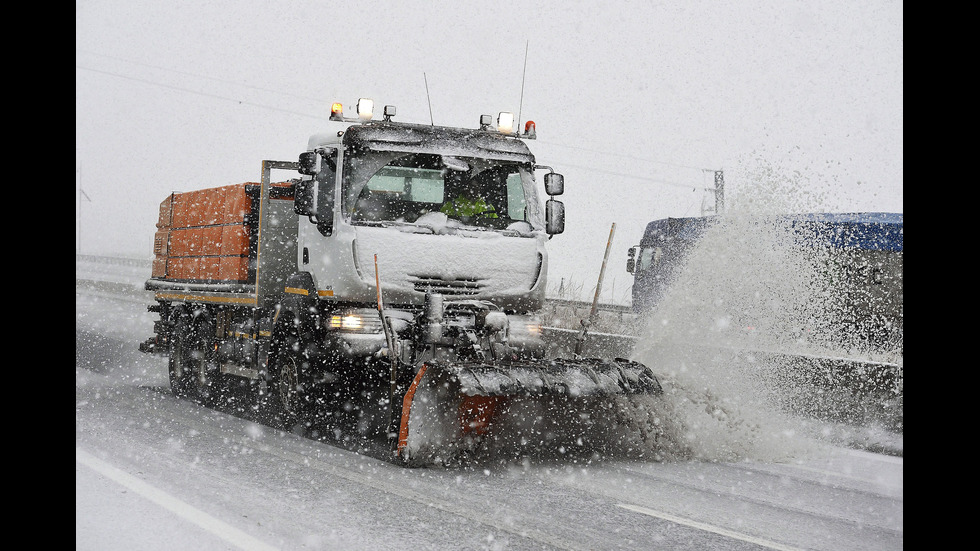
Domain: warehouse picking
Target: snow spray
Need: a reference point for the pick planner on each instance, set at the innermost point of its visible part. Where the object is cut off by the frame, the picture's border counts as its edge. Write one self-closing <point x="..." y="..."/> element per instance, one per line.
<point x="746" y="289"/>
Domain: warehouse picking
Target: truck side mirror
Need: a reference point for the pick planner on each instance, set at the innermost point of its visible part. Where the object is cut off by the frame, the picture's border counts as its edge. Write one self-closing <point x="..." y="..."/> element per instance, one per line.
<point x="631" y="261"/>
<point x="307" y="163"/>
<point x="554" y="216"/>
<point x="554" y="183"/>
<point x="326" y="179"/>
<point x="303" y="193"/>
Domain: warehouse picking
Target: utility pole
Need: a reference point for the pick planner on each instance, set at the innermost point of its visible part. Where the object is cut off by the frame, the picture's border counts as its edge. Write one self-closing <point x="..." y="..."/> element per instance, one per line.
<point x="719" y="191"/>
<point x="78" y="213"/>
<point x="594" y="312"/>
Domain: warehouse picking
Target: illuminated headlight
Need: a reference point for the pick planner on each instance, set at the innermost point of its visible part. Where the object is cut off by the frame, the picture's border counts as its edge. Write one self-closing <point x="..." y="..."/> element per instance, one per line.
<point x="525" y="325"/>
<point x="365" y="108"/>
<point x="355" y="322"/>
<point x="505" y="122"/>
<point x="349" y="322"/>
<point x="527" y="335"/>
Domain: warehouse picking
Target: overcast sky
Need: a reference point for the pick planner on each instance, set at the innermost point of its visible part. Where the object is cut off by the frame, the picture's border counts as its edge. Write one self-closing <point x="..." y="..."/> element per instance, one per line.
<point x="636" y="103"/>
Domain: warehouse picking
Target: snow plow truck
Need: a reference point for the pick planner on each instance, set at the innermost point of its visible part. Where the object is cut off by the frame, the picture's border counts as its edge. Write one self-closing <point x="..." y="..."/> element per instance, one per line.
<point x="358" y="297"/>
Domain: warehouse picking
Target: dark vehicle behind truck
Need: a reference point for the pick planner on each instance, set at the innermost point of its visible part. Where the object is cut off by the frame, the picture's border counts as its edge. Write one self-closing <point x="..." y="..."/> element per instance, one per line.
<point x="867" y="263"/>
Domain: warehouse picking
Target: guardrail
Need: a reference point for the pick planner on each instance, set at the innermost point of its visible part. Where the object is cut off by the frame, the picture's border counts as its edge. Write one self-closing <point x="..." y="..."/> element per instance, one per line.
<point x="115" y="260"/>
<point x="577" y="304"/>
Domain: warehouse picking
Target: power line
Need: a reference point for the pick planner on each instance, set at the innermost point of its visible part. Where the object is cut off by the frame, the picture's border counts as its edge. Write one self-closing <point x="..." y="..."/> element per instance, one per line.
<point x="634" y="158"/>
<point x="205" y="94"/>
<point x="206" y="77"/>
<point x="265" y="106"/>
<point x="631" y="157"/>
<point x="635" y="177"/>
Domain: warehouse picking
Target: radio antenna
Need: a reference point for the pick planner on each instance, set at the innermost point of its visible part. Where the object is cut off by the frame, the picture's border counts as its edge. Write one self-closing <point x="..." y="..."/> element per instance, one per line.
<point x="520" y="107"/>
<point x="427" y="98"/>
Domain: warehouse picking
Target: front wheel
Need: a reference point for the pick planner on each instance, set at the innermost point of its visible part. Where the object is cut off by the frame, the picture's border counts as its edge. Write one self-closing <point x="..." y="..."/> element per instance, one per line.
<point x="286" y="398"/>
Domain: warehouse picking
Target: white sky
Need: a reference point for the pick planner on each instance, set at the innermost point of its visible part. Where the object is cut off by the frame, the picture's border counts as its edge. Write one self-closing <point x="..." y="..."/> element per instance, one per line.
<point x="635" y="102"/>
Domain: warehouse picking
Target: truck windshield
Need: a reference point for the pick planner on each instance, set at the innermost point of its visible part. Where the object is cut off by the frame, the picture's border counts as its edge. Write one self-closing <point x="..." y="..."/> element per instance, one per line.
<point x="392" y="186"/>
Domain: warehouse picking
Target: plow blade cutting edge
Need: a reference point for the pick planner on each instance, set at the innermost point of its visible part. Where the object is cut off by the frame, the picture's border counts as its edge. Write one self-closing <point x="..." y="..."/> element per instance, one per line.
<point x="451" y="409"/>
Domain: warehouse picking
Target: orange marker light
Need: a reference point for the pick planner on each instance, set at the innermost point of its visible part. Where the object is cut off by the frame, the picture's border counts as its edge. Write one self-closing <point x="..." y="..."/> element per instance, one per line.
<point x="529" y="130"/>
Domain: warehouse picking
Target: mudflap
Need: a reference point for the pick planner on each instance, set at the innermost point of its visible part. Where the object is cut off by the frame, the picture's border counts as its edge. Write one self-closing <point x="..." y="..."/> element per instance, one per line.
<point x="455" y="412"/>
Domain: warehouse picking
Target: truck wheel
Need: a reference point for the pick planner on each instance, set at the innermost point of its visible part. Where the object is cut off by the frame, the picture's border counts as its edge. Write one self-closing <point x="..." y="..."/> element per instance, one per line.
<point x="179" y="365"/>
<point x="286" y="399"/>
<point x="205" y="387"/>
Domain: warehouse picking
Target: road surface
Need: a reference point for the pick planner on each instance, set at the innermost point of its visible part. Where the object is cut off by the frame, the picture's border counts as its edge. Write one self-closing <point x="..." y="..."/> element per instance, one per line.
<point x="157" y="472"/>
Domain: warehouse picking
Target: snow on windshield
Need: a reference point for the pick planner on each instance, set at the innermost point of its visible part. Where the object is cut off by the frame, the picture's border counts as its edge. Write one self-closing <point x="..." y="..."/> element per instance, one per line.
<point x="399" y="186"/>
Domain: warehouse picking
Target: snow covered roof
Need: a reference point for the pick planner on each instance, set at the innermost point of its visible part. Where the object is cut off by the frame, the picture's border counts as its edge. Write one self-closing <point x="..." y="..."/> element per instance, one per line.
<point x="438" y="139"/>
<point x="873" y="231"/>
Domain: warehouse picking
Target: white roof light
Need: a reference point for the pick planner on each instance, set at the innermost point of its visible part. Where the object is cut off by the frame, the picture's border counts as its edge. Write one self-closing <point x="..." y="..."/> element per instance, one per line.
<point x="365" y="108"/>
<point x="505" y="122"/>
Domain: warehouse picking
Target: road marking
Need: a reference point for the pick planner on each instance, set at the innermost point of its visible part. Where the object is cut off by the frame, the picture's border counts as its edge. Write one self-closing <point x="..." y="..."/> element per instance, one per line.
<point x="184" y="510"/>
<point x="708" y="527"/>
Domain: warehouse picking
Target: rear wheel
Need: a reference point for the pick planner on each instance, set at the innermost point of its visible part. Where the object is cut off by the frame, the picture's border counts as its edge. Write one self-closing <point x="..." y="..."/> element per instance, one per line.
<point x="205" y="377"/>
<point x="179" y="365"/>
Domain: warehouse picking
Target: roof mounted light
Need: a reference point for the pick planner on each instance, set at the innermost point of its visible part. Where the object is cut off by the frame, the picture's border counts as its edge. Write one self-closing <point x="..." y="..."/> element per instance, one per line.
<point x="485" y="122"/>
<point x="505" y="122"/>
<point x="337" y="112"/>
<point x="389" y="112"/>
<point x="529" y="130"/>
<point x="365" y="108"/>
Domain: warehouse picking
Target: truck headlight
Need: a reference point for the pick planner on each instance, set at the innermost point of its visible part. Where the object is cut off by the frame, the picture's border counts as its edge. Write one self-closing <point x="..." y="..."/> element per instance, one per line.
<point x="355" y="321"/>
<point x="525" y="325"/>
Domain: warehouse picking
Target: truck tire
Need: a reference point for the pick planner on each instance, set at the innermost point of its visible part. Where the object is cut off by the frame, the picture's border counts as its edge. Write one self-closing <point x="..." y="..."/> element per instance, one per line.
<point x="179" y="365"/>
<point x="285" y="400"/>
<point x="205" y="378"/>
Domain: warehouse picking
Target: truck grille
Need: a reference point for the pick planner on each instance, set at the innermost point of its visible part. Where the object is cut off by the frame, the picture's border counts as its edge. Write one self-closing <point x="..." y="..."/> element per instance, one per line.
<point x="450" y="287"/>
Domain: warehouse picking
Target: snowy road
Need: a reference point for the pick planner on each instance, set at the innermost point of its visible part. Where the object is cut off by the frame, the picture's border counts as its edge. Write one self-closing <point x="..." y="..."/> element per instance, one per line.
<point x="155" y="472"/>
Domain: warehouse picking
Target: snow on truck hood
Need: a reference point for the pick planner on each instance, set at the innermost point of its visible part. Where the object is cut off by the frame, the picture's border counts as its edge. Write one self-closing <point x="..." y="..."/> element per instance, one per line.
<point x="458" y="262"/>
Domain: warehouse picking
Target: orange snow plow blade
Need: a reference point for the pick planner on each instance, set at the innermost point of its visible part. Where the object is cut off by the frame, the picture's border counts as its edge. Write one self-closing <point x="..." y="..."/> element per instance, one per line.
<point x="455" y="408"/>
<point x="476" y="413"/>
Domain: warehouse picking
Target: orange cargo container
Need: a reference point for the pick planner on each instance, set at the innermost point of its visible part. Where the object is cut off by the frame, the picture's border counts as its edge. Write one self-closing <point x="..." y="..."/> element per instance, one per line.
<point x="211" y="240"/>
<point x="232" y="268"/>
<point x="234" y="239"/>
<point x="159" y="268"/>
<point x="211" y="207"/>
<point x="207" y="235"/>
<point x="166" y="212"/>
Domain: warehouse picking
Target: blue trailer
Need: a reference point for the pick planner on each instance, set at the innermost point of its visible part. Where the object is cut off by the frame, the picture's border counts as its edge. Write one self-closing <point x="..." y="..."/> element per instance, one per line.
<point x="872" y="243"/>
